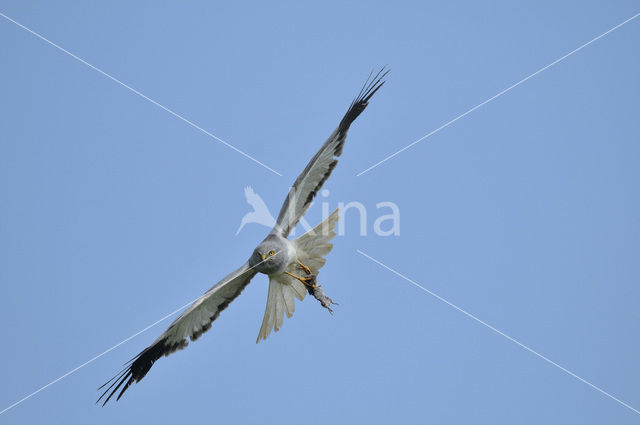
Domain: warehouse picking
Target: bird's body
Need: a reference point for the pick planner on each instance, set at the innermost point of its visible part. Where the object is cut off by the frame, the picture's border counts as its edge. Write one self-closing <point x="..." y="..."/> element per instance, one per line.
<point x="291" y="269"/>
<point x="291" y="265"/>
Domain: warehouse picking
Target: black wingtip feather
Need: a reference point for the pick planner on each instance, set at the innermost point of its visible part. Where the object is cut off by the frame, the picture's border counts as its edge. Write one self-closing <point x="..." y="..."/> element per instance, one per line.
<point x="135" y="370"/>
<point x="370" y="87"/>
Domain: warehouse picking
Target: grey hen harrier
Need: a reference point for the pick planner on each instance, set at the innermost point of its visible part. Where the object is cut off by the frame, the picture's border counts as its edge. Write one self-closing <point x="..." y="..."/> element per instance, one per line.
<point x="292" y="265"/>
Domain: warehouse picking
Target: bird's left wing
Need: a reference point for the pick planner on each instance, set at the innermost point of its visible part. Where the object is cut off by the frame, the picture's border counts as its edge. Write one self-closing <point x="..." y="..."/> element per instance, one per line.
<point x="310" y="181"/>
<point x="191" y="324"/>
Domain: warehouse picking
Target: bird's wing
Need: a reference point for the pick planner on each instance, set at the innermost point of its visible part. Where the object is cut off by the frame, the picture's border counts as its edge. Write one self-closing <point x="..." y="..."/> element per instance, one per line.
<point x="280" y="300"/>
<point x="323" y="162"/>
<point x="191" y="324"/>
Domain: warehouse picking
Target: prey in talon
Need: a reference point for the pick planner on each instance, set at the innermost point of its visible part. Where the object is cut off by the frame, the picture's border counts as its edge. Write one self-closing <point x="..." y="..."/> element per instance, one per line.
<point x="314" y="289"/>
<point x="319" y="295"/>
<point x="312" y="286"/>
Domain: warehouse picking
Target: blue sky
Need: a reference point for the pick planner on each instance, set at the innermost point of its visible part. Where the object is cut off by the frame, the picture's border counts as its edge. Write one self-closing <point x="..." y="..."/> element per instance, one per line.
<point x="525" y="213"/>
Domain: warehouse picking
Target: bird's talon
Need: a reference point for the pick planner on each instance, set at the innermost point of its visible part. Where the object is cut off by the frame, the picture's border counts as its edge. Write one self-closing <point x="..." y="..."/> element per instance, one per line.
<point x="306" y="269"/>
<point x="309" y="281"/>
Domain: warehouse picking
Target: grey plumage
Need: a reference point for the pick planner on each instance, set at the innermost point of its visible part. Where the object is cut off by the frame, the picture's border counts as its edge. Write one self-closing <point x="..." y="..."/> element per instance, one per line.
<point x="274" y="263"/>
<point x="288" y="263"/>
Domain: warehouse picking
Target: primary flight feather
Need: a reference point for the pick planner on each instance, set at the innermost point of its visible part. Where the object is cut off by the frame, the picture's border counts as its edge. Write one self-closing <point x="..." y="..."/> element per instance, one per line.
<point x="292" y="265"/>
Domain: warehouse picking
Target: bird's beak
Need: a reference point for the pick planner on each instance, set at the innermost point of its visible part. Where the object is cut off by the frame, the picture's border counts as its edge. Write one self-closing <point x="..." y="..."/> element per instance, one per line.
<point x="263" y="257"/>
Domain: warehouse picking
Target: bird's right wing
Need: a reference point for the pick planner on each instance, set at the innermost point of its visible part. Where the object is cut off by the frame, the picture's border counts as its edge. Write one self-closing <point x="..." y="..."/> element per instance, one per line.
<point x="191" y="324"/>
<point x="310" y="181"/>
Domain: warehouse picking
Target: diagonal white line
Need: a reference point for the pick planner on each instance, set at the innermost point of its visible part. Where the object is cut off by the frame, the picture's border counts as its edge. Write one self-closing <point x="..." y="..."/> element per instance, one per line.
<point x="532" y="351"/>
<point x="175" y="114"/>
<point x="499" y="94"/>
<point x="113" y="347"/>
<point x="94" y="358"/>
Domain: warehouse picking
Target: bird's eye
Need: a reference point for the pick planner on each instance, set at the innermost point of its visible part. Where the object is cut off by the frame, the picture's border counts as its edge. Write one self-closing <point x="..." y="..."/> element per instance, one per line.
<point x="257" y="254"/>
<point x="271" y="252"/>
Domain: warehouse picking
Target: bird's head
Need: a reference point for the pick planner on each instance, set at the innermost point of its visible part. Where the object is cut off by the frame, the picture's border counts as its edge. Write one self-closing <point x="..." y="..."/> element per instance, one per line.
<point x="268" y="257"/>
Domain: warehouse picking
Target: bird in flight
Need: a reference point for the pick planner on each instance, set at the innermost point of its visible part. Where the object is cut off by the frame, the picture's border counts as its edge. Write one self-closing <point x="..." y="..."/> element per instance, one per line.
<point x="292" y="265"/>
